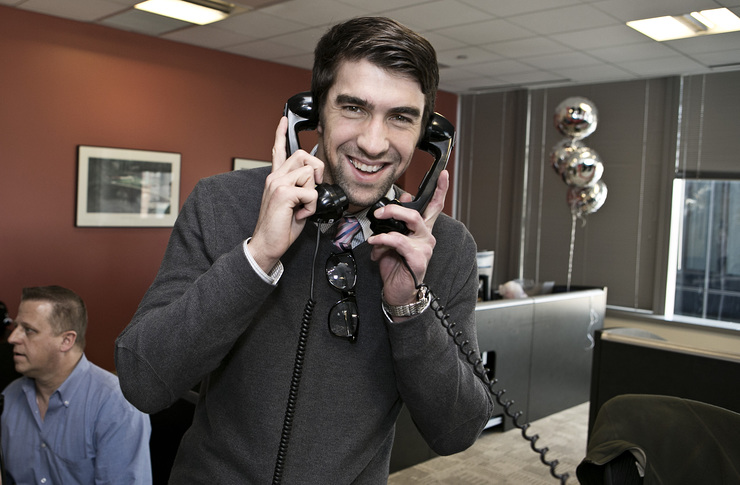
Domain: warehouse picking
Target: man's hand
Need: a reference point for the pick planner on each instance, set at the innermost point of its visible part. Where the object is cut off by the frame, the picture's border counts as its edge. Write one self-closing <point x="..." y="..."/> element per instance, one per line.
<point x="416" y="247"/>
<point x="288" y="201"/>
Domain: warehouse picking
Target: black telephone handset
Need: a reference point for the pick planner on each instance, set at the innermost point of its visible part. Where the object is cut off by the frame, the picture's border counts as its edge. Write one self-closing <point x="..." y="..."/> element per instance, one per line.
<point x="332" y="201"/>
<point x="438" y="140"/>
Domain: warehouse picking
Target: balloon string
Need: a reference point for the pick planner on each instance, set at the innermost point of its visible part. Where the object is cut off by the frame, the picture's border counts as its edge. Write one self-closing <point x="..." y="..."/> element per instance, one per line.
<point x="572" y="248"/>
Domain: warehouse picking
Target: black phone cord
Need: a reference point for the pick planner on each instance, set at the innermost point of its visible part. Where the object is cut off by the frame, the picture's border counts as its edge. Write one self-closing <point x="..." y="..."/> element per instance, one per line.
<point x="295" y="380"/>
<point x="479" y="369"/>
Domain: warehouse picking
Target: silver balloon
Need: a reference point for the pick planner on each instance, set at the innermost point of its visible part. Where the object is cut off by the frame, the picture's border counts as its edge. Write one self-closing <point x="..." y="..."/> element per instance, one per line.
<point x="576" y="117"/>
<point x="583" y="201"/>
<point x="582" y="168"/>
<point x="562" y="152"/>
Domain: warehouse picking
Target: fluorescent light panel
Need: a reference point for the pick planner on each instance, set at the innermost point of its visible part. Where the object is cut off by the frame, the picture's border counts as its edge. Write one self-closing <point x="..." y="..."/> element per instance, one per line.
<point x="200" y="13"/>
<point x="706" y="22"/>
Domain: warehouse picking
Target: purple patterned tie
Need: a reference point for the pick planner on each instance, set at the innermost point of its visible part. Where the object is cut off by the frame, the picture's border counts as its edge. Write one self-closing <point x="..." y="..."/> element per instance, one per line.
<point x="346" y="230"/>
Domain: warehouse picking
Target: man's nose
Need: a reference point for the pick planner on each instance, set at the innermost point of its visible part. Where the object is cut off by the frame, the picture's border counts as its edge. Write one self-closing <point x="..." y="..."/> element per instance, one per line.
<point x="14" y="334"/>
<point x="374" y="137"/>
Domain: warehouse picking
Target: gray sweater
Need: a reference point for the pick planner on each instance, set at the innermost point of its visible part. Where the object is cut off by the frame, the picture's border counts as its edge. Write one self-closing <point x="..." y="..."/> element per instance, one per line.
<point x="209" y="318"/>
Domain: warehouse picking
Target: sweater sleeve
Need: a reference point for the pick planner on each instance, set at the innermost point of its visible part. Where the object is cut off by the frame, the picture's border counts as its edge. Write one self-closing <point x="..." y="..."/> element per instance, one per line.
<point x="449" y="404"/>
<point x="202" y="299"/>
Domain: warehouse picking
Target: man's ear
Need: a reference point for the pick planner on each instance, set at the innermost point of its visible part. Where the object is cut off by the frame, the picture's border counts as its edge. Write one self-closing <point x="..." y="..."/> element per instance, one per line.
<point x="69" y="338"/>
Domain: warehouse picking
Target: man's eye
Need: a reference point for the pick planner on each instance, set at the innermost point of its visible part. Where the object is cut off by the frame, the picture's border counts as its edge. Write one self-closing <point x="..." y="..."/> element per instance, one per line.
<point x="353" y="109"/>
<point x="401" y="119"/>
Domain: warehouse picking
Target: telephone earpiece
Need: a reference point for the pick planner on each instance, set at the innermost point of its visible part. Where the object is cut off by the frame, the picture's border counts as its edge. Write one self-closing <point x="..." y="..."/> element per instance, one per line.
<point x="332" y="201"/>
<point x="438" y="140"/>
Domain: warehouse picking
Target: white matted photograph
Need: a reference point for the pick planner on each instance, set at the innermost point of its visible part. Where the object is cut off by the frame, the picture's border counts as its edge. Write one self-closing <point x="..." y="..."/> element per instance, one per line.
<point x="246" y="164"/>
<point x="118" y="187"/>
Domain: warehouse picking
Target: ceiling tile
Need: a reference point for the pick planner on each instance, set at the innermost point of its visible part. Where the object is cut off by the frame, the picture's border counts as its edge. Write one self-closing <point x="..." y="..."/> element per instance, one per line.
<point x="508" y="8"/>
<point x="707" y="43"/>
<point x="625" y="10"/>
<point x="562" y="60"/>
<point x="264" y="49"/>
<point x="442" y="42"/>
<point x="645" y="50"/>
<point x="566" y="19"/>
<point x="315" y="12"/>
<point x="600" y="37"/>
<point x="143" y="22"/>
<point x="478" y="84"/>
<point x="259" y="25"/>
<point x="716" y="60"/>
<point x="666" y="66"/>
<point x="533" y="77"/>
<point x="534" y="46"/>
<point x="85" y="10"/>
<point x="595" y="74"/>
<point x="465" y="56"/>
<point x="437" y="14"/>
<point x="500" y="68"/>
<point x="380" y="5"/>
<point x="496" y="30"/>
<point x="207" y="36"/>
<point x="303" y="40"/>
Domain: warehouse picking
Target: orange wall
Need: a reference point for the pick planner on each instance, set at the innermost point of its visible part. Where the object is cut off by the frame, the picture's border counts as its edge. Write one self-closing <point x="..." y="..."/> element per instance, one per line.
<point x="65" y="84"/>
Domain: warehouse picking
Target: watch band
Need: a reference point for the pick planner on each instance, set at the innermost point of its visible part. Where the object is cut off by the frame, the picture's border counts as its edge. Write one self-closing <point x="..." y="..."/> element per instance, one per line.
<point x="422" y="303"/>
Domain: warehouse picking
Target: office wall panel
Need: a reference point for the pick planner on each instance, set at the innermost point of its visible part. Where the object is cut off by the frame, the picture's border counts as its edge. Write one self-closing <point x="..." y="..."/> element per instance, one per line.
<point x="617" y="245"/>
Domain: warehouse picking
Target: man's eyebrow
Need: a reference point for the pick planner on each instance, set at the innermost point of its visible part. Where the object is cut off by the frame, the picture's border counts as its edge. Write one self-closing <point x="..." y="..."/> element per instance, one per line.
<point x="353" y="100"/>
<point x="408" y="111"/>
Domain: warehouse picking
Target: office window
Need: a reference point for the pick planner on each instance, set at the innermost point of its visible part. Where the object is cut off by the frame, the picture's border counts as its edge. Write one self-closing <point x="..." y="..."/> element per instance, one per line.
<point x="705" y="250"/>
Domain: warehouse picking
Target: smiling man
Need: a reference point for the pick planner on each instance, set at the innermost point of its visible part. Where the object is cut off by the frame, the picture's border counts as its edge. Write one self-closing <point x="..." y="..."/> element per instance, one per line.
<point x="66" y="421"/>
<point x="254" y="297"/>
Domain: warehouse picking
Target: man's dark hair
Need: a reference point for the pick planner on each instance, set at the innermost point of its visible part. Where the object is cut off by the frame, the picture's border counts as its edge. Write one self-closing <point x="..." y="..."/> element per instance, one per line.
<point x="68" y="310"/>
<point x="383" y="42"/>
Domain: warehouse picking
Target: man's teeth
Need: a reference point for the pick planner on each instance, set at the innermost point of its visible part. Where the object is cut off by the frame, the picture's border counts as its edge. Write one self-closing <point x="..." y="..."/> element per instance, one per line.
<point x="365" y="168"/>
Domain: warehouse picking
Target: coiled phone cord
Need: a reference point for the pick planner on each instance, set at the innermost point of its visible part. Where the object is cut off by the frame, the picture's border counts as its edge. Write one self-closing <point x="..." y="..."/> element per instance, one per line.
<point x="295" y="380"/>
<point x="479" y="369"/>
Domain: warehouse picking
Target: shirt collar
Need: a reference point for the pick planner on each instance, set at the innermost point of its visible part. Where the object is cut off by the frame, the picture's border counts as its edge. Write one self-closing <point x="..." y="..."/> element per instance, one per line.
<point x="68" y="387"/>
<point x="361" y="217"/>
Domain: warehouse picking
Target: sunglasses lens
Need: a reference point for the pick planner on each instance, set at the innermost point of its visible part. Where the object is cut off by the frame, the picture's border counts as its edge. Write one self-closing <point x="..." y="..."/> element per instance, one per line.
<point x="343" y="319"/>
<point x="341" y="271"/>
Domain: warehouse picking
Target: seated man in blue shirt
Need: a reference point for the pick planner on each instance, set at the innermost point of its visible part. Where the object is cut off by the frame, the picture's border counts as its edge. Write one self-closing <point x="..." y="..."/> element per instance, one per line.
<point x="66" y="420"/>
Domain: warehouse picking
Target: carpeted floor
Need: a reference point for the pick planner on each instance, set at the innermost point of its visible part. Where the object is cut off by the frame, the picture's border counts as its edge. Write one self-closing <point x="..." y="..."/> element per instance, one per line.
<point x="506" y="458"/>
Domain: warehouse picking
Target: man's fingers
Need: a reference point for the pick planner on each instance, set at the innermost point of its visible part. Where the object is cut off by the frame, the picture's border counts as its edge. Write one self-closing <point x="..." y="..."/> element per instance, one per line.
<point x="437" y="204"/>
<point x="278" y="148"/>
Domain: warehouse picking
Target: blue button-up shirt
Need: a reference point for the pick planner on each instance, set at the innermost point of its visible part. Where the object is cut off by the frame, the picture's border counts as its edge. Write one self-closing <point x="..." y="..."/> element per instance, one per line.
<point x="89" y="435"/>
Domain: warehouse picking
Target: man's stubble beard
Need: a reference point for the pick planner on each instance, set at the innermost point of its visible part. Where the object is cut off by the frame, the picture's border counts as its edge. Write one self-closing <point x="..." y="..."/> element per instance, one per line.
<point x="338" y="174"/>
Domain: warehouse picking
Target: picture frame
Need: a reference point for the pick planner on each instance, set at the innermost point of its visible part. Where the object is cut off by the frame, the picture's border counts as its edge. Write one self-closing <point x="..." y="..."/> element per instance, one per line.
<point x="246" y="164"/>
<point x="119" y="187"/>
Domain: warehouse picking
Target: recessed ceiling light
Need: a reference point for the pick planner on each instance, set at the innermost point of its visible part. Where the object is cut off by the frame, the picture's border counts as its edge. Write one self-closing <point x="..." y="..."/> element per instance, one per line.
<point x="199" y="12"/>
<point x="705" y="22"/>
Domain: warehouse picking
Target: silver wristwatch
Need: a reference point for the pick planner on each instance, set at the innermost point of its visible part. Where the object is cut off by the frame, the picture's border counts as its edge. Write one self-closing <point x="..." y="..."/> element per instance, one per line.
<point x="415" y="308"/>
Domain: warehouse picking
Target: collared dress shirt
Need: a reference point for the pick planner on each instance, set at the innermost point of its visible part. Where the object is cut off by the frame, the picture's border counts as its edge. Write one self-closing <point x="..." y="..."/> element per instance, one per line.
<point x="89" y="435"/>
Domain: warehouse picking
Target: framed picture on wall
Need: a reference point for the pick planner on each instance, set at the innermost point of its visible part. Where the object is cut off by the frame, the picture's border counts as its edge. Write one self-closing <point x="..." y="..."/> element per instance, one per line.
<point x="119" y="187"/>
<point x="246" y="164"/>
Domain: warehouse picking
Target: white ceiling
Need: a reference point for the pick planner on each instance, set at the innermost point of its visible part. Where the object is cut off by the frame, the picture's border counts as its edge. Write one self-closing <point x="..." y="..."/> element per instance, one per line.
<point x="482" y="44"/>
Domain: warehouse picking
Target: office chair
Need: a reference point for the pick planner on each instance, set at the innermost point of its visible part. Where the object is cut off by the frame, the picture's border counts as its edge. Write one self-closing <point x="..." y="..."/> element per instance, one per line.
<point x="647" y="439"/>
